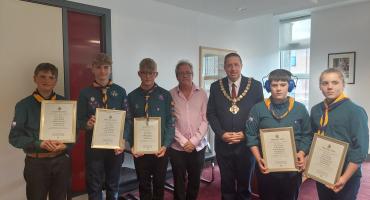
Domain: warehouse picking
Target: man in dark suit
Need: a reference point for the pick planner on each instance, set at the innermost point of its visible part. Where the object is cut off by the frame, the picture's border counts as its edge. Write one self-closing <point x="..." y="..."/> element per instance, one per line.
<point x="230" y="101"/>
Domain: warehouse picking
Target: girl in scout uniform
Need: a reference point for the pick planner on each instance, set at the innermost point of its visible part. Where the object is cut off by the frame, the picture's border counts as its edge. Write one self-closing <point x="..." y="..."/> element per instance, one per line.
<point x="340" y="118"/>
<point x="280" y="110"/>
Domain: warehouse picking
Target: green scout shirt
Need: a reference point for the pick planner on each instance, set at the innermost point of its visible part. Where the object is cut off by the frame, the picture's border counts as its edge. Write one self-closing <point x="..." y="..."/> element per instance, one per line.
<point x="91" y="98"/>
<point x="160" y="105"/>
<point x="260" y="118"/>
<point x="24" y="132"/>
<point x="348" y="122"/>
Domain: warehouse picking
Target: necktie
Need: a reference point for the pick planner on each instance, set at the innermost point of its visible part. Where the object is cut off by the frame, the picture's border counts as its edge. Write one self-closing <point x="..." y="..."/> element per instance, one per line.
<point x="233" y="91"/>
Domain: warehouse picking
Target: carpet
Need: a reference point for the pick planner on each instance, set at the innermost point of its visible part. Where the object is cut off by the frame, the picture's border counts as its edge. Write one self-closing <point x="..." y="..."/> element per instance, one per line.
<point x="308" y="191"/>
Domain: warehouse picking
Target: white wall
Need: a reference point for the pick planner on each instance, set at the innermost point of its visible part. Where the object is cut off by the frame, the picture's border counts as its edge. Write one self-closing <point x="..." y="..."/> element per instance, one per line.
<point x="24" y="44"/>
<point x="142" y="28"/>
<point x="258" y="40"/>
<point x="147" y="28"/>
<point x="342" y="29"/>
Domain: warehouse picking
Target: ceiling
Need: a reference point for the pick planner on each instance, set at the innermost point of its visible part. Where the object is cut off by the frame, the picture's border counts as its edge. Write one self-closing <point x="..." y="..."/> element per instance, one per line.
<point x="242" y="9"/>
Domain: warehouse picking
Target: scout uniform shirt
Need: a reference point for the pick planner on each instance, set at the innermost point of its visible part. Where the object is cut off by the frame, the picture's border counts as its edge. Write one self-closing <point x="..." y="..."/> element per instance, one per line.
<point x="261" y="117"/>
<point x="348" y="123"/>
<point x="24" y="132"/>
<point x="159" y="105"/>
<point x="91" y="98"/>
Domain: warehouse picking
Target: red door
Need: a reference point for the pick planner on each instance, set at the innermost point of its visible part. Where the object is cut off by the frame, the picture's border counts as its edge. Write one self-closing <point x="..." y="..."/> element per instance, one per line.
<point x="84" y="41"/>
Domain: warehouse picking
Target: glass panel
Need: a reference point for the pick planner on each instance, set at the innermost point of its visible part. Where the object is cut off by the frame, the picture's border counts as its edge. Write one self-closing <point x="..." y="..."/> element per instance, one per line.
<point x="301" y="91"/>
<point x="296" y="61"/>
<point x="301" y="30"/>
<point x="295" y="54"/>
<point x="295" y="34"/>
<point x="211" y="66"/>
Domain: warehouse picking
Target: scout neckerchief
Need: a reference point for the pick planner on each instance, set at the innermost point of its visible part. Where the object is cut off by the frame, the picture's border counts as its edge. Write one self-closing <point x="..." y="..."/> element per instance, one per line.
<point x="234" y="108"/>
<point x="269" y="107"/>
<point x="40" y="98"/>
<point x="103" y="90"/>
<point x="147" y="96"/>
<point x="326" y="109"/>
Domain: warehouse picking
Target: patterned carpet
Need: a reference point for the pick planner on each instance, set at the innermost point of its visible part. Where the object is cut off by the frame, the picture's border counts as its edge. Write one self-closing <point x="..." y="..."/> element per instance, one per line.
<point x="307" y="191"/>
<point x="308" y="188"/>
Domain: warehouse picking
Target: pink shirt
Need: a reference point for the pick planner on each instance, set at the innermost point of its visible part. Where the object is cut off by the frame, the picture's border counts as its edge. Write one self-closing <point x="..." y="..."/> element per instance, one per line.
<point x="191" y="120"/>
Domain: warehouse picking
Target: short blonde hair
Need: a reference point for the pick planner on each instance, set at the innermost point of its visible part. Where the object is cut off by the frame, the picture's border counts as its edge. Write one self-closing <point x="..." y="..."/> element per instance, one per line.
<point x="330" y="71"/>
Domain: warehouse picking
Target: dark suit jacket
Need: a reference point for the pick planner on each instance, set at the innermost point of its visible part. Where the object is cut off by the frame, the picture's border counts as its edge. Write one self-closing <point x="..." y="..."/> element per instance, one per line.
<point x="222" y="120"/>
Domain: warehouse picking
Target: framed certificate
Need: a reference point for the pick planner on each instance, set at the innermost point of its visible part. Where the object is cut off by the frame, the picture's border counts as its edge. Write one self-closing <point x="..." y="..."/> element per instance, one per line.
<point x="108" y="129"/>
<point x="326" y="159"/>
<point x="278" y="148"/>
<point x="147" y="135"/>
<point x="58" y="120"/>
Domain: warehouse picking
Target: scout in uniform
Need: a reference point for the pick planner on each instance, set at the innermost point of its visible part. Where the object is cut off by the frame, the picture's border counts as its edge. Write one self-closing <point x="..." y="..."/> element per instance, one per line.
<point x="102" y="165"/>
<point x="150" y="100"/>
<point x="279" y="110"/>
<point x="340" y="118"/>
<point x="47" y="168"/>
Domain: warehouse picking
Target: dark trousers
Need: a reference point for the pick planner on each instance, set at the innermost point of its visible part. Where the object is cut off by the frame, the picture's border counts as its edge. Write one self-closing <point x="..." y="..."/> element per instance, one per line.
<point x="102" y="171"/>
<point x="186" y="163"/>
<point x="236" y="170"/>
<point x="151" y="173"/>
<point x="278" y="185"/>
<point x="349" y="191"/>
<point x="47" y="176"/>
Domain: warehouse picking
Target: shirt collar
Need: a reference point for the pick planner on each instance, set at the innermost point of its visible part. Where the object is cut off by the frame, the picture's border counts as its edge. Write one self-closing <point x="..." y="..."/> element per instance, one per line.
<point x="237" y="82"/>
<point x="193" y="89"/>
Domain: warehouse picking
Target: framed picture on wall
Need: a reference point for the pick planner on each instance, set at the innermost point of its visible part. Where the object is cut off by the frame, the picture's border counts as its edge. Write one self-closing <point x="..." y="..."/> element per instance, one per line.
<point x="211" y="65"/>
<point x="345" y="62"/>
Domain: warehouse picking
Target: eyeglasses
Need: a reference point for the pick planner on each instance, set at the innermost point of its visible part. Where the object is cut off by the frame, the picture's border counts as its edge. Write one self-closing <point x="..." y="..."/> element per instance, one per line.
<point x="145" y="73"/>
<point x="184" y="74"/>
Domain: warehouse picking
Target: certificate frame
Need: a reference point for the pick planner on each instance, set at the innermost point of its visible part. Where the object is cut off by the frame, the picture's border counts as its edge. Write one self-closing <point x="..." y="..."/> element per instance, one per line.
<point x="100" y="145"/>
<point x="292" y="148"/>
<point x="342" y="157"/>
<point x="142" y="120"/>
<point x="43" y="118"/>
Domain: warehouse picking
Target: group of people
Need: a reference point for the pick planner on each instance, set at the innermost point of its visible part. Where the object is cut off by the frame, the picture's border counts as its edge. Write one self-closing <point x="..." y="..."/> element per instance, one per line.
<point x="235" y="110"/>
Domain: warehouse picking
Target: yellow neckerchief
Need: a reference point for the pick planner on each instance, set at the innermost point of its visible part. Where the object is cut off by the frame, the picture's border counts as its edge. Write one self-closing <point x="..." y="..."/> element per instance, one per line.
<point x="103" y="90"/>
<point x="147" y="96"/>
<point x="326" y="108"/>
<point x="290" y="108"/>
<point x="40" y="98"/>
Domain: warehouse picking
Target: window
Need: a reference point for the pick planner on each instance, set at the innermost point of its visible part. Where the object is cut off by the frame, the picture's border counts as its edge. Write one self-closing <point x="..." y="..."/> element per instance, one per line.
<point x="294" y="45"/>
<point x="211" y="65"/>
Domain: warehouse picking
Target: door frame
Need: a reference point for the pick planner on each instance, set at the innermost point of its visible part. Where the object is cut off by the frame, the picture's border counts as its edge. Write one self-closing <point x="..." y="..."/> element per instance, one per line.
<point x="106" y="33"/>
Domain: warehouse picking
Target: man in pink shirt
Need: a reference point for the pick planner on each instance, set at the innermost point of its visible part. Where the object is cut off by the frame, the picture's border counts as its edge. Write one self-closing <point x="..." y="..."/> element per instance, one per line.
<point x="187" y="150"/>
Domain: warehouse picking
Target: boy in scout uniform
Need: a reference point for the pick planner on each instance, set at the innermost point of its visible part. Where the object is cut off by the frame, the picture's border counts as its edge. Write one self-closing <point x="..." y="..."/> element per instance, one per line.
<point x="103" y="166"/>
<point x="278" y="111"/>
<point x="47" y="169"/>
<point x="150" y="100"/>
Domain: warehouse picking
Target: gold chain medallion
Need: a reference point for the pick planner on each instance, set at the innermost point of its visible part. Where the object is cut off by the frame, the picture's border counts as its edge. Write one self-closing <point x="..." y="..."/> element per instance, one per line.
<point x="234" y="108"/>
